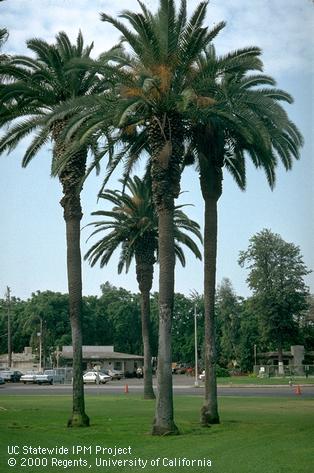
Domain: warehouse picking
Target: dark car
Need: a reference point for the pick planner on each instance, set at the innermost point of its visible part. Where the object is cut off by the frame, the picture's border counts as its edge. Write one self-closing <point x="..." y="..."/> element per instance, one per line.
<point x="2" y="380"/>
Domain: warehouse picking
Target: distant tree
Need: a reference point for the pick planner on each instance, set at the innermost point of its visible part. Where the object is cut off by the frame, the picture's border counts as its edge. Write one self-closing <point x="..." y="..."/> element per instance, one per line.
<point x="123" y="316"/>
<point x="248" y="336"/>
<point x="306" y="325"/>
<point x="97" y="326"/>
<point x="228" y="322"/>
<point x="183" y="329"/>
<point x="50" y="307"/>
<point x="276" y="276"/>
<point x="18" y="338"/>
<point x="48" y="310"/>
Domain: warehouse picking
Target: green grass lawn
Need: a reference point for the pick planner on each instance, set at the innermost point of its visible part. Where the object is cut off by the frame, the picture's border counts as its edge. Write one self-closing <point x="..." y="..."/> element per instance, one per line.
<point x="238" y="380"/>
<point x="257" y="435"/>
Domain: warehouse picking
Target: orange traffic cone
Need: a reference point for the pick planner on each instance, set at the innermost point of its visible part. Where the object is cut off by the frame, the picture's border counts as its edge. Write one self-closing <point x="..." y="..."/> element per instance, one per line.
<point x="298" y="390"/>
<point x="126" y="389"/>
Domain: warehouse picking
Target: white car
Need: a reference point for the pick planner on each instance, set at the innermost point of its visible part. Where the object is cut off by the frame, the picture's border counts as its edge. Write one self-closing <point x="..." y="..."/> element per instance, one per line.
<point x="45" y="378"/>
<point x="96" y="377"/>
<point x="29" y="377"/>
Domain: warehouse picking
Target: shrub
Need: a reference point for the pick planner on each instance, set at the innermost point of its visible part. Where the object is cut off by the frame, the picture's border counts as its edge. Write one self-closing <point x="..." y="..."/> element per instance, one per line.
<point x="222" y="372"/>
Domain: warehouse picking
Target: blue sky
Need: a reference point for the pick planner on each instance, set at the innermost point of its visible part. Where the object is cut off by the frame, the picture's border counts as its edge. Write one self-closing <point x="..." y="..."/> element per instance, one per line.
<point x="32" y="238"/>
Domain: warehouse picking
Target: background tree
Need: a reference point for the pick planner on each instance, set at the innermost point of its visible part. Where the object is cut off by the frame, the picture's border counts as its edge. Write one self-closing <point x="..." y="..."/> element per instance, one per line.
<point x="306" y="325"/>
<point x="280" y="295"/>
<point x="228" y="323"/>
<point x="183" y="329"/>
<point x="249" y="335"/>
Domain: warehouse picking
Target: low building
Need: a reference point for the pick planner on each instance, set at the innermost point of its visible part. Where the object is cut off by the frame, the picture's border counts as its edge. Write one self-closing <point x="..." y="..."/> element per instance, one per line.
<point x="104" y="357"/>
<point x="26" y="361"/>
<point x="296" y="361"/>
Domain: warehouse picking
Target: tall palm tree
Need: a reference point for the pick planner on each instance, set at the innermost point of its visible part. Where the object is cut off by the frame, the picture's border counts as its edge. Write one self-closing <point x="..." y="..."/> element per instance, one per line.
<point x="244" y="120"/>
<point x="133" y="226"/>
<point x="36" y="87"/>
<point x="164" y="47"/>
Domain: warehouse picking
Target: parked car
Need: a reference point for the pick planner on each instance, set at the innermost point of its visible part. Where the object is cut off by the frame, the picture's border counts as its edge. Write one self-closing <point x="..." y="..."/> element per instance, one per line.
<point x="45" y="378"/>
<point x="11" y="375"/>
<point x="116" y="374"/>
<point x="2" y="380"/>
<point x="96" y="376"/>
<point x="29" y="377"/>
<point x="56" y="374"/>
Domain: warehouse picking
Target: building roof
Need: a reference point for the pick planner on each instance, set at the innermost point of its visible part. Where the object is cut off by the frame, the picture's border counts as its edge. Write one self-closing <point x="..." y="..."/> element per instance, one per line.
<point x="99" y="353"/>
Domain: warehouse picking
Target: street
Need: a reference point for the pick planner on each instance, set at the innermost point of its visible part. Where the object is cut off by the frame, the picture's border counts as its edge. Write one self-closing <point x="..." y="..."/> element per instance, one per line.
<point x="182" y="385"/>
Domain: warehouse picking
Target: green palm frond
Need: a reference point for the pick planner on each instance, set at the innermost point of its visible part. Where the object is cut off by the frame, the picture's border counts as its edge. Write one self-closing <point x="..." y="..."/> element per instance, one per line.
<point x="42" y="89"/>
<point x="132" y="222"/>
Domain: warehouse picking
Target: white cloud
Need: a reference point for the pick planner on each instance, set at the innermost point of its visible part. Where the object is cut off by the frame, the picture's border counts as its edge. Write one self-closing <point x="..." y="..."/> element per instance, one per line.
<point x="282" y="28"/>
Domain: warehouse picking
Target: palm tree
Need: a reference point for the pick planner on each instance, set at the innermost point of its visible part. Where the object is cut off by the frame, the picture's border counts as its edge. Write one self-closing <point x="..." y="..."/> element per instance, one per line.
<point x="243" y="120"/>
<point x="164" y="47"/>
<point x="133" y="225"/>
<point x="36" y="87"/>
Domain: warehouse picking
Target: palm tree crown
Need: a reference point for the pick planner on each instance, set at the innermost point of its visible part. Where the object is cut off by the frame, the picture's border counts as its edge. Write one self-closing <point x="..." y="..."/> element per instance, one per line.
<point x="133" y="224"/>
<point x="38" y="85"/>
<point x="244" y="117"/>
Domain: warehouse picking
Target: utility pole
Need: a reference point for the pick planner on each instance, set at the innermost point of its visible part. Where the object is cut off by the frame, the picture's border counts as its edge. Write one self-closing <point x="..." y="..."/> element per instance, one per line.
<point x="8" y="296"/>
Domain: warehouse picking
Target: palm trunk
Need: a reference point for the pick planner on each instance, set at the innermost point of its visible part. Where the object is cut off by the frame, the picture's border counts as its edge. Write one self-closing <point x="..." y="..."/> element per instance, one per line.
<point x="144" y="256"/>
<point x="166" y="142"/>
<point x="209" y="411"/>
<point x="164" y="418"/>
<point x="79" y="417"/>
<point x="148" y="372"/>
<point x="211" y="186"/>
<point x="70" y="178"/>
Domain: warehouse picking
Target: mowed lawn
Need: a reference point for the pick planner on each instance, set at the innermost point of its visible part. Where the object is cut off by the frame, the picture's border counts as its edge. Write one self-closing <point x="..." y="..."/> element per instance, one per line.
<point x="238" y="380"/>
<point x="256" y="435"/>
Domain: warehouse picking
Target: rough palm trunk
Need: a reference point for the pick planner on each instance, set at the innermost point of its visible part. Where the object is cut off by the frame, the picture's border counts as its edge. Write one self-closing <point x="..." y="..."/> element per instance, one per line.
<point x="79" y="417"/>
<point x="165" y="136"/>
<point x="148" y="372"/>
<point x="211" y="186"/>
<point x="164" y="416"/>
<point x="144" y="256"/>
<point x="209" y="411"/>
<point x="70" y="178"/>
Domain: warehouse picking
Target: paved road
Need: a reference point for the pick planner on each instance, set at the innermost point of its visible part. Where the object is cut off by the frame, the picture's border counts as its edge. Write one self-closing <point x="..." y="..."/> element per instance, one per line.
<point x="136" y="387"/>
